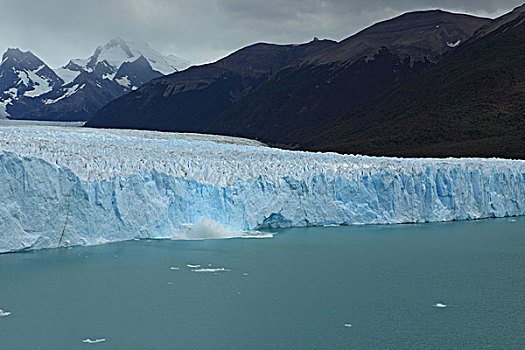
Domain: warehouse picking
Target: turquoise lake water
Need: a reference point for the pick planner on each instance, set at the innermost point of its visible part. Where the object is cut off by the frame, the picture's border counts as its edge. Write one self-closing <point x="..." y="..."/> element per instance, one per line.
<point x="301" y="289"/>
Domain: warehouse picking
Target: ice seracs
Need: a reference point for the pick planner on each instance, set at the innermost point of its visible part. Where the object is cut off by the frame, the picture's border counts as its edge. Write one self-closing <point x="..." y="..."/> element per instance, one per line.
<point x="97" y="186"/>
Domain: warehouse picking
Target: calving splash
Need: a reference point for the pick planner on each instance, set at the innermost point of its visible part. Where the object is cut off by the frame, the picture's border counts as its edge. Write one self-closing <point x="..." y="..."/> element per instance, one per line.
<point x="79" y="186"/>
<point x="207" y="229"/>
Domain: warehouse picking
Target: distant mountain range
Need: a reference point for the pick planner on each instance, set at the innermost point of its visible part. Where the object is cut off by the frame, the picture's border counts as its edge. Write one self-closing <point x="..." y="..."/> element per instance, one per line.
<point x="29" y="89"/>
<point x="420" y="84"/>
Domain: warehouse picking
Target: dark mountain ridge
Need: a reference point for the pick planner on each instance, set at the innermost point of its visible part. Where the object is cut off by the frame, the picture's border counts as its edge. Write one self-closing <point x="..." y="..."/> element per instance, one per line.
<point x="275" y="93"/>
<point x="300" y="100"/>
<point x="419" y="35"/>
<point x="472" y="103"/>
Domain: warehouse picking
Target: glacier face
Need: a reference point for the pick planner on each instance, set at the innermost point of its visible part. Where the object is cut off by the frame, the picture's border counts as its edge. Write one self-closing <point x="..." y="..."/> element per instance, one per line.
<point x="79" y="186"/>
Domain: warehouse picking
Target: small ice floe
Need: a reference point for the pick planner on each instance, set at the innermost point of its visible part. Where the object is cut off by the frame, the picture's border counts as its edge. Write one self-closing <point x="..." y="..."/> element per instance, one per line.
<point x="440" y="305"/>
<point x="258" y="235"/>
<point x="193" y="266"/>
<point x="93" y="341"/>
<point x="245" y="274"/>
<point x="170" y="283"/>
<point x="513" y="220"/>
<point x="4" y="313"/>
<point x="348" y="325"/>
<point x="174" y="268"/>
<point x="219" y="269"/>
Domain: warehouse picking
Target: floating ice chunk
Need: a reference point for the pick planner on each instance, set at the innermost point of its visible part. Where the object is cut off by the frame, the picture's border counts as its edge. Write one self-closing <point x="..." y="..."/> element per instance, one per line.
<point x="193" y="266"/>
<point x="245" y="274"/>
<point x="440" y="305"/>
<point x="257" y="235"/>
<point x="4" y="313"/>
<point x="348" y="325"/>
<point x="174" y="268"/>
<point x="93" y="341"/>
<point x="219" y="269"/>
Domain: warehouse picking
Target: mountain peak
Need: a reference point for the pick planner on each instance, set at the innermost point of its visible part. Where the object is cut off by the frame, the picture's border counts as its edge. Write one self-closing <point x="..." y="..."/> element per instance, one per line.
<point x="118" y="51"/>
<point x="116" y="41"/>
<point x="14" y="52"/>
<point x="516" y="16"/>
<point x="19" y="58"/>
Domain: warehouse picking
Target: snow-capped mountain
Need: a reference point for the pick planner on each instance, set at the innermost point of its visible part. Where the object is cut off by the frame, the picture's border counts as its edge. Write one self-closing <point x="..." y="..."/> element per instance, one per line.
<point x="117" y="51"/>
<point x="24" y="76"/>
<point x="29" y="89"/>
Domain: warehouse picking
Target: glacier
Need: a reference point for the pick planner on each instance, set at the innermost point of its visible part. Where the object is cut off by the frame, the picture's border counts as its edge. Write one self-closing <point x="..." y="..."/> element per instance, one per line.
<point x="65" y="186"/>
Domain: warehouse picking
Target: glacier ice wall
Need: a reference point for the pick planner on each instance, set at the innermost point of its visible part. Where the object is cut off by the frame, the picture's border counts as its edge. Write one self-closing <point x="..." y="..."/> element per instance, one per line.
<point x="83" y="186"/>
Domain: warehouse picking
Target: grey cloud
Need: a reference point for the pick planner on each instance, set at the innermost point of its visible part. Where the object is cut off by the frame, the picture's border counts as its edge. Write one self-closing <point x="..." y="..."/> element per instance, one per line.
<point x="57" y="30"/>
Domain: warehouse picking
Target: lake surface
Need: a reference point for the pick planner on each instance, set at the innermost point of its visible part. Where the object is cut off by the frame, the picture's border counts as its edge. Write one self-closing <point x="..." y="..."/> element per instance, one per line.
<point x="364" y="287"/>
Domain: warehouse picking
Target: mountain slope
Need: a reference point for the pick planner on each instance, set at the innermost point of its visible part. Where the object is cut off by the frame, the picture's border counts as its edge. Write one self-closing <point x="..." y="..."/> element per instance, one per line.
<point x="317" y="86"/>
<point x="301" y="99"/>
<point x="472" y="103"/>
<point x="186" y="101"/>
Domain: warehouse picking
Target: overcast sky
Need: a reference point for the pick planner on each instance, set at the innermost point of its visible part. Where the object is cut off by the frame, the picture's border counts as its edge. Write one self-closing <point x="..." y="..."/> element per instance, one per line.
<point x="199" y="30"/>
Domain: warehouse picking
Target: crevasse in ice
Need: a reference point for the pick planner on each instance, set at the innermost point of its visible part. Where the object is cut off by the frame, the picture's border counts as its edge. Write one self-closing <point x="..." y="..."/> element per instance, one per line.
<point x="76" y="186"/>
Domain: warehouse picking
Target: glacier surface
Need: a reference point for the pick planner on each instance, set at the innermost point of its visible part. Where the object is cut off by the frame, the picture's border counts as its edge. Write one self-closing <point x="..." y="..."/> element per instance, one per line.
<point x="64" y="186"/>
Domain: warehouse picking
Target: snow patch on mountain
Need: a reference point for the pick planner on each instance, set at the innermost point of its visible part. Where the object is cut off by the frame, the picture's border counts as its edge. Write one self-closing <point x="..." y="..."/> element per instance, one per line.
<point x="40" y="84"/>
<point x="3" y="107"/>
<point x="454" y="44"/>
<point x="67" y="92"/>
<point x="124" y="81"/>
<point x="13" y="92"/>
<point x="92" y="186"/>
<point x="67" y="75"/>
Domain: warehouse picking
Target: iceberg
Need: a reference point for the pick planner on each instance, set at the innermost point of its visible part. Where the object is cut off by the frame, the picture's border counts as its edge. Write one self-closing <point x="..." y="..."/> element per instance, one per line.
<point x="66" y="186"/>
